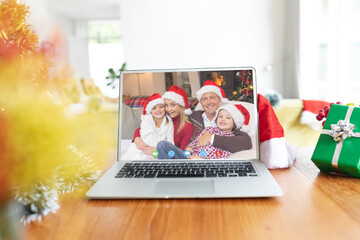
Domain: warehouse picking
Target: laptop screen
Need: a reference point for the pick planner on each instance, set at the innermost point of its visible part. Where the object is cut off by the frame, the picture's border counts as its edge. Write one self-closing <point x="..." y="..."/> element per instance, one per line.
<point x="188" y="114"/>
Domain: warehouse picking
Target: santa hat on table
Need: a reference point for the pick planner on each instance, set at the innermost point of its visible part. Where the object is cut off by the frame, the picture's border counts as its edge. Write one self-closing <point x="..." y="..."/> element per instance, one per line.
<point x="239" y="113"/>
<point x="152" y="101"/>
<point x="210" y="86"/>
<point x="179" y="96"/>
<point x="275" y="151"/>
<point x="310" y="110"/>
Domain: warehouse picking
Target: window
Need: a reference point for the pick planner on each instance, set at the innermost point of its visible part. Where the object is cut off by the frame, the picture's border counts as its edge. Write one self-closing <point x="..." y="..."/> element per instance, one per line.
<point x="330" y="50"/>
<point x="105" y="52"/>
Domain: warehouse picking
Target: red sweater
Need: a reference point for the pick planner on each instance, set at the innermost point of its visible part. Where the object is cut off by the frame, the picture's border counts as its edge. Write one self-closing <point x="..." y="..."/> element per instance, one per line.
<point x="182" y="138"/>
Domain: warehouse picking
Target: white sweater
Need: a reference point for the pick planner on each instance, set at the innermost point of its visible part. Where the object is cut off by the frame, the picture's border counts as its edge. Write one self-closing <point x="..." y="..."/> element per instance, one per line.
<point x="151" y="135"/>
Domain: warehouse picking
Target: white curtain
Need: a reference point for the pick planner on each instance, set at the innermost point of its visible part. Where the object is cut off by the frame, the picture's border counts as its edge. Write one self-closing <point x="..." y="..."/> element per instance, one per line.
<point x="291" y="66"/>
<point x="329" y="50"/>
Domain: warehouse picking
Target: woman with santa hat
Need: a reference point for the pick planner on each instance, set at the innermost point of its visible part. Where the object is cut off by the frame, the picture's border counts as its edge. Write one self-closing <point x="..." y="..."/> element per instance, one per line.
<point x="177" y="107"/>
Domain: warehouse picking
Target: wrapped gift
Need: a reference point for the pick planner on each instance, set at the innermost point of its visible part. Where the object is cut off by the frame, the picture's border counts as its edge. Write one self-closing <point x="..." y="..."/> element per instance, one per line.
<point x="338" y="147"/>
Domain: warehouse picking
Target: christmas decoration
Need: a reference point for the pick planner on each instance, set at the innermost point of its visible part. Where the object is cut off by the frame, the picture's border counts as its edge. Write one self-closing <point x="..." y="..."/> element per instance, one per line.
<point x="244" y="87"/>
<point x="45" y="152"/>
<point x="41" y="198"/>
<point x="275" y="151"/>
<point x="310" y="111"/>
<point x="16" y="37"/>
<point x="336" y="150"/>
<point x="321" y="116"/>
<point x="41" y="145"/>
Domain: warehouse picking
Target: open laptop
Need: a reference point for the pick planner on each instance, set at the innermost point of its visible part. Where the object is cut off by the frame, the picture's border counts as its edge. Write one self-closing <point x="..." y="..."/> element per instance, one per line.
<point x="241" y="174"/>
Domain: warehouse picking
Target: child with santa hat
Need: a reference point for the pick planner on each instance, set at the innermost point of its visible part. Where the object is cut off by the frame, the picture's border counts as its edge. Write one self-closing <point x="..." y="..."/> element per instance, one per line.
<point x="229" y="117"/>
<point x="155" y="126"/>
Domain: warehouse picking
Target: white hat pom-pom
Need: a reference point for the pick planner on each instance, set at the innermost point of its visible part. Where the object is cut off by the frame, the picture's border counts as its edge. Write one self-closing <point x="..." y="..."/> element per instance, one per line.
<point x="245" y="128"/>
<point x="224" y="100"/>
<point x="188" y="111"/>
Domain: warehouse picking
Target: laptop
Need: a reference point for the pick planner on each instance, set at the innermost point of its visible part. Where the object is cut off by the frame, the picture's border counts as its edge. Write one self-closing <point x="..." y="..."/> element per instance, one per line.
<point x="240" y="175"/>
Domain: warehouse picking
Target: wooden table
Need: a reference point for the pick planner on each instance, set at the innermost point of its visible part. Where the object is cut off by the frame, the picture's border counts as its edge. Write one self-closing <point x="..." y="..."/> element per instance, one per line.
<point x="315" y="206"/>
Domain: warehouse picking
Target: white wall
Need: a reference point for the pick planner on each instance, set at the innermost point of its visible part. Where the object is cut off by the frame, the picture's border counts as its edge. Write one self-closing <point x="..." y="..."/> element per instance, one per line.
<point x="79" y="49"/>
<point x="206" y="33"/>
<point x="191" y="33"/>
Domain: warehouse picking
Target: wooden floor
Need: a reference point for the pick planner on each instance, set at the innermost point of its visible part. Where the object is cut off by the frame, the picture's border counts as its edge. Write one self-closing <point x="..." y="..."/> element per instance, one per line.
<point x="315" y="206"/>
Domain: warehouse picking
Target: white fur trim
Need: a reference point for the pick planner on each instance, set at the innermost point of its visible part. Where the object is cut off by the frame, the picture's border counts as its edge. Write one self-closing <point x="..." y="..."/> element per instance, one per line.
<point x="245" y="128"/>
<point x="146" y="117"/>
<point x="224" y="100"/>
<point x="152" y="104"/>
<point x="309" y="119"/>
<point x="188" y="111"/>
<point x="208" y="89"/>
<point x="237" y="116"/>
<point x="174" y="97"/>
<point x="277" y="153"/>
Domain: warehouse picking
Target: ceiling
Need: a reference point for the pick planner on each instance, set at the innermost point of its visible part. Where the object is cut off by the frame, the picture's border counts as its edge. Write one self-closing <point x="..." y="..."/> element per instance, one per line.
<point x="86" y="9"/>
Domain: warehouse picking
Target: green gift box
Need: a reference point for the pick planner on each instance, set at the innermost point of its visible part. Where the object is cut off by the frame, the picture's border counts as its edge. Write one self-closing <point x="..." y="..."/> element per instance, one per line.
<point x="338" y="147"/>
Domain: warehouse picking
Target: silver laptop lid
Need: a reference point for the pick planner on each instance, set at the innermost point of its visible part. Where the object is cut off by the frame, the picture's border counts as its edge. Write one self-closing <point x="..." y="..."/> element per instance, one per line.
<point x="239" y="105"/>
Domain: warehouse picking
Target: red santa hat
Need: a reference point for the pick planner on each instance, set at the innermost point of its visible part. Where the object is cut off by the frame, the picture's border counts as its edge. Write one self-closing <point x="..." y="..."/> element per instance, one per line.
<point x="275" y="151"/>
<point x="239" y="113"/>
<point x="179" y="96"/>
<point x="152" y="101"/>
<point x="310" y="110"/>
<point x="210" y="86"/>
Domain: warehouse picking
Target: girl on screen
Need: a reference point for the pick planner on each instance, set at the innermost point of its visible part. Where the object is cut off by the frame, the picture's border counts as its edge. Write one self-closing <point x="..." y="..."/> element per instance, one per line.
<point x="155" y="126"/>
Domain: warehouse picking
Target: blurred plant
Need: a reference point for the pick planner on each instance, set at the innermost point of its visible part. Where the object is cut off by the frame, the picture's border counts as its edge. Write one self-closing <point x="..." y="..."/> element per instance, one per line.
<point x="114" y="76"/>
<point x="274" y="98"/>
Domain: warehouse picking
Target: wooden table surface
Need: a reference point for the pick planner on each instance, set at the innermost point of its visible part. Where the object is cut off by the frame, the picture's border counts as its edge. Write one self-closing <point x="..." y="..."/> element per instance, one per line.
<point x="315" y="205"/>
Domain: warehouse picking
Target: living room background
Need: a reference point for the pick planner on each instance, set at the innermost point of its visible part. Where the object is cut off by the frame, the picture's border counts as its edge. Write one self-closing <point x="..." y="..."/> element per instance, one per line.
<point x="300" y="49"/>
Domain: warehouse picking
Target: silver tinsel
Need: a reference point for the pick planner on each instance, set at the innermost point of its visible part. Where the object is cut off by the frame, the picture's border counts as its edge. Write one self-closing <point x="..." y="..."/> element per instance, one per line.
<point x="41" y="198"/>
<point x="85" y="167"/>
<point x="38" y="200"/>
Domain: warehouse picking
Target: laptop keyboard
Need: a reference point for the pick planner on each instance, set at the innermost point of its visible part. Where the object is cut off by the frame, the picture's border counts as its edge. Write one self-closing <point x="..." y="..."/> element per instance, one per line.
<point x="187" y="170"/>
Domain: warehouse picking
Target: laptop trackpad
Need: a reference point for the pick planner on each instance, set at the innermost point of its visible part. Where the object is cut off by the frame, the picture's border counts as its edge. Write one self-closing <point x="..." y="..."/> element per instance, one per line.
<point x="178" y="187"/>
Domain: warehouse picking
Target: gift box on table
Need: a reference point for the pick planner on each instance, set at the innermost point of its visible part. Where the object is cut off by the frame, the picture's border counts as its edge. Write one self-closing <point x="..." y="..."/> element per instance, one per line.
<point x="338" y="147"/>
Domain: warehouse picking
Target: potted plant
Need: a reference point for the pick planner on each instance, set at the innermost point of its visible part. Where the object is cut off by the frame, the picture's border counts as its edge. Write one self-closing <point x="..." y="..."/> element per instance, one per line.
<point x="114" y="76"/>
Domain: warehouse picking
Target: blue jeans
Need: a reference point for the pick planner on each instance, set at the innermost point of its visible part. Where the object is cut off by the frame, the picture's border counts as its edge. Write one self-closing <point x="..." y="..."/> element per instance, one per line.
<point x="163" y="147"/>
